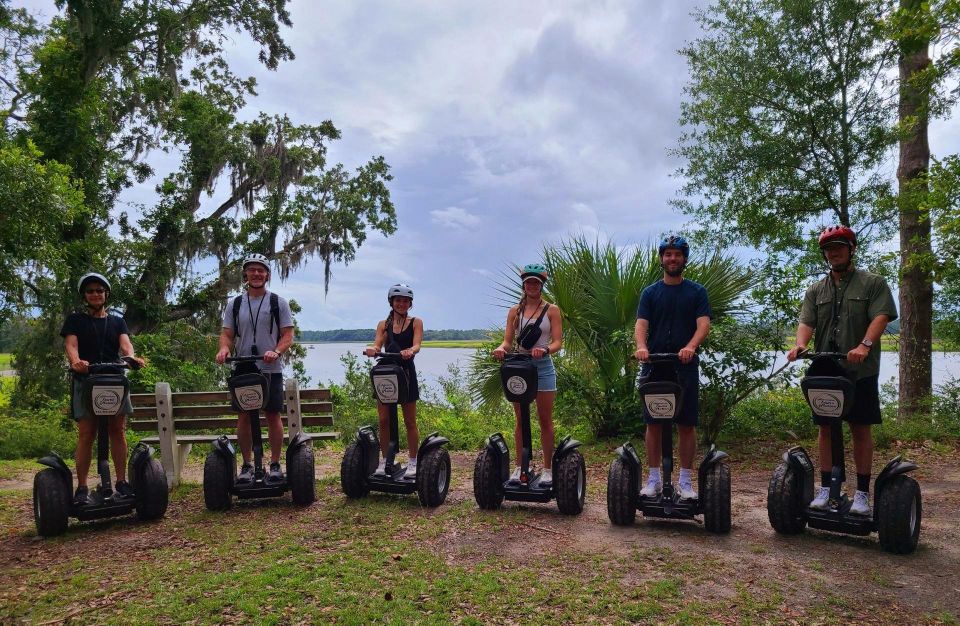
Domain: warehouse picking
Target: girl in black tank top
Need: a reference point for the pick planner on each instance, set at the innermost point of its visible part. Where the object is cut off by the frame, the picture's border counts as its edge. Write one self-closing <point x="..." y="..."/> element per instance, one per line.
<point x="400" y="333"/>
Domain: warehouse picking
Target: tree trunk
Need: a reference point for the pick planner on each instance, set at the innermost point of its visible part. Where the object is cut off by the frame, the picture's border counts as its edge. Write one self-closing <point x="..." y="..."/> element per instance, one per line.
<point x="916" y="284"/>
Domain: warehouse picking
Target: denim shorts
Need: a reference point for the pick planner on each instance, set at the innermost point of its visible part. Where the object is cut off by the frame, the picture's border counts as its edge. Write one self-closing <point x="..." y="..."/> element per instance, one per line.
<point x="546" y="374"/>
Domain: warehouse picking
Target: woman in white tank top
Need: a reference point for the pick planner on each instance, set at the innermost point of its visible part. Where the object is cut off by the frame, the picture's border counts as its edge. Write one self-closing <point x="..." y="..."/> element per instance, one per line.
<point x="532" y="311"/>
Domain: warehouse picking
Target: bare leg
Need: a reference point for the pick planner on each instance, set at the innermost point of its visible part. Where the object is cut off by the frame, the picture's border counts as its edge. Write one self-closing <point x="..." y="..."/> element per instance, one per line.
<point x="862" y="447"/>
<point x="688" y="445"/>
<point x="823" y="443"/>
<point x="653" y="444"/>
<point x="383" y="421"/>
<point x="117" y="428"/>
<point x="244" y="438"/>
<point x="275" y="430"/>
<point x="545" y="416"/>
<point x="86" y="430"/>
<point x="410" y="421"/>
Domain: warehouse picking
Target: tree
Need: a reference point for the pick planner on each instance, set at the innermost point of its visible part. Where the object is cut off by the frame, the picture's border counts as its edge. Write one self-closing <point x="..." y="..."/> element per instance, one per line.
<point x="788" y="121"/>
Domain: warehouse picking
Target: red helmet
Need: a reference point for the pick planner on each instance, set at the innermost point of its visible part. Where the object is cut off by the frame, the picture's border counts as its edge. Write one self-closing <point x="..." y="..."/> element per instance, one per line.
<point x="842" y="234"/>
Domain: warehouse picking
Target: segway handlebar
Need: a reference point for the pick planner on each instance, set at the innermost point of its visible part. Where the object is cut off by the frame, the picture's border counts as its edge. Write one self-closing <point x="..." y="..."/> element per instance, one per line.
<point x="125" y="362"/>
<point x="243" y="359"/>
<point x="380" y="355"/>
<point x="807" y="354"/>
<point x="662" y="357"/>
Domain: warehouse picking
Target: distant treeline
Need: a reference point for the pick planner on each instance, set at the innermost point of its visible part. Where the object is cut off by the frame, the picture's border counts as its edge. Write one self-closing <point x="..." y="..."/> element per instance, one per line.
<point x="367" y="334"/>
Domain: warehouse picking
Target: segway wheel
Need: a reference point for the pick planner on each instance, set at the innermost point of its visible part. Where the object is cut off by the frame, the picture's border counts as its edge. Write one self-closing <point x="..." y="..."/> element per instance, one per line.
<point x="218" y="474"/>
<point x="487" y="488"/>
<point x="570" y="478"/>
<point x="51" y="503"/>
<point x="621" y="494"/>
<point x="716" y="499"/>
<point x="433" y="477"/>
<point x="785" y="506"/>
<point x="353" y="472"/>
<point x="151" y="490"/>
<point x="302" y="477"/>
<point x="898" y="515"/>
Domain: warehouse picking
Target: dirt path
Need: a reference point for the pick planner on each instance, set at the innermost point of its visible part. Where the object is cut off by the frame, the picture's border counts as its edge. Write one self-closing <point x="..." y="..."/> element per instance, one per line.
<point x="801" y="570"/>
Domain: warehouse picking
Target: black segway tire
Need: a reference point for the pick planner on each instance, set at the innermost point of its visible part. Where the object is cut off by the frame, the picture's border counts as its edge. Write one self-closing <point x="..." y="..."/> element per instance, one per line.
<point x="487" y="488"/>
<point x="218" y="475"/>
<point x="151" y="491"/>
<point x="785" y="508"/>
<point x="898" y="515"/>
<point x="51" y="503"/>
<point x="353" y="472"/>
<point x="433" y="477"/>
<point x="621" y="497"/>
<point x="716" y="499"/>
<point x="302" y="476"/>
<point x="570" y="482"/>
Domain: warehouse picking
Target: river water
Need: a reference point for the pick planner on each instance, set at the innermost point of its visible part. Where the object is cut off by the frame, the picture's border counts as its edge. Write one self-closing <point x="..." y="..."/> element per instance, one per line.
<point x="323" y="363"/>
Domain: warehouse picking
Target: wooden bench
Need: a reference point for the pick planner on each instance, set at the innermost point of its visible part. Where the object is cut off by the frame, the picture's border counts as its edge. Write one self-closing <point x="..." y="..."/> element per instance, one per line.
<point x="170" y="414"/>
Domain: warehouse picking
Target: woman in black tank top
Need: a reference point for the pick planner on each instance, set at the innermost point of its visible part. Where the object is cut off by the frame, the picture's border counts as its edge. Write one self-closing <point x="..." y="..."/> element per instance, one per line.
<point x="400" y="333"/>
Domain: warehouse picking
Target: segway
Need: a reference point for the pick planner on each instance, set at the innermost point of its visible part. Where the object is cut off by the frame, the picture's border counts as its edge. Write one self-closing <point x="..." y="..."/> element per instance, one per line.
<point x="104" y="391"/>
<point x="358" y="469"/>
<point x="491" y="472"/>
<point x="663" y="397"/>
<point x="897" y="507"/>
<point x="250" y="392"/>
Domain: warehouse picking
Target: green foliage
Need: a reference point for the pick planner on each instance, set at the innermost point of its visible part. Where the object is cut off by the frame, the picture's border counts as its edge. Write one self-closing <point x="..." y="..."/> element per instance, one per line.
<point x="789" y="120"/>
<point x="180" y="355"/>
<point x="780" y="413"/>
<point x="36" y="432"/>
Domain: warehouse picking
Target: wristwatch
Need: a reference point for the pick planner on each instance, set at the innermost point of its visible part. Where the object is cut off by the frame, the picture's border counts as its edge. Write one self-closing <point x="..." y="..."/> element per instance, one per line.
<point x="867" y="343"/>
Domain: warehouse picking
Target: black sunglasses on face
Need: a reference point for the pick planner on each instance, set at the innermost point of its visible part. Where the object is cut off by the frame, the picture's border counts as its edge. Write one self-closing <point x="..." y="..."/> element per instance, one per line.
<point x="91" y="291"/>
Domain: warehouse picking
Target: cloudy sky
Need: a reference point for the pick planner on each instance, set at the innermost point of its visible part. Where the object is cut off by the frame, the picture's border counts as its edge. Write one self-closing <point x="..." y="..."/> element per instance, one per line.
<point x="508" y="125"/>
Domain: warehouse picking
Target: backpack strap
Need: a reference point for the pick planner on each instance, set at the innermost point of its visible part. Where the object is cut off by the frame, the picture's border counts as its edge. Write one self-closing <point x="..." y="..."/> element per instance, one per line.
<point x="236" y="315"/>
<point x="275" y="313"/>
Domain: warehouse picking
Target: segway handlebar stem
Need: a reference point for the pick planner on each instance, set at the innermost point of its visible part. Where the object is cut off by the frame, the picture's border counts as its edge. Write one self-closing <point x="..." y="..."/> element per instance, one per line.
<point x="807" y="354"/>
<point x="243" y="359"/>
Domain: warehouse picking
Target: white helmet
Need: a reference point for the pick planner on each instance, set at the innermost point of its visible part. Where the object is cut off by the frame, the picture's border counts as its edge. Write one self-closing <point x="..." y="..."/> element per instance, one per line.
<point x="92" y="277"/>
<point x="256" y="258"/>
<point x="399" y="290"/>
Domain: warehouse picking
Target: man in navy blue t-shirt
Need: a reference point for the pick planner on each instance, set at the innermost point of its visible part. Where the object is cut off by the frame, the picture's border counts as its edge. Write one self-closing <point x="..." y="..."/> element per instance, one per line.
<point x="673" y="316"/>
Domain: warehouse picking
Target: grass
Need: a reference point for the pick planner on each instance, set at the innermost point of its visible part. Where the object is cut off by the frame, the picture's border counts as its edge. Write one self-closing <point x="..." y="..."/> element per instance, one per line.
<point x="6" y="361"/>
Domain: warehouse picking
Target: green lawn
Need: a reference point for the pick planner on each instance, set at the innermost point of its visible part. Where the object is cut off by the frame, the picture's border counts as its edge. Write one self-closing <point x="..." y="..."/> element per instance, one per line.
<point x="6" y="361"/>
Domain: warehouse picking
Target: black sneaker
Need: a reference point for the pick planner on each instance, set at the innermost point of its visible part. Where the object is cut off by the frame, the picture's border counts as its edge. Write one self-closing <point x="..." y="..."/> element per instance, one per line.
<point x="81" y="497"/>
<point x="124" y="490"/>
<point x="274" y="476"/>
<point x="246" y="473"/>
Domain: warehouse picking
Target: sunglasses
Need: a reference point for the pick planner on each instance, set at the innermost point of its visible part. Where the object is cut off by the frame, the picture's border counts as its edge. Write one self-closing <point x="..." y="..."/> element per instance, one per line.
<point x="92" y="291"/>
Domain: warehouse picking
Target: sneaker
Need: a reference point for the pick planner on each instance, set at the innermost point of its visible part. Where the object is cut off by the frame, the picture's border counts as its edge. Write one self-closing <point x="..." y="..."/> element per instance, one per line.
<point x="687" y="492"/>
<point x="652" y="489"/>
<point x="546" y="478"/>
<point x="822" y="499"/>
<point x="124" y="490"/>
<point x="515" y="476"/>
<point x="861" y="504"/>
<point x="381" y="468"/>
<point x="275" y="475"/>
<point x="246" y="473"/>
<point x="82" y="496"/>
<point x="411" y="468"/>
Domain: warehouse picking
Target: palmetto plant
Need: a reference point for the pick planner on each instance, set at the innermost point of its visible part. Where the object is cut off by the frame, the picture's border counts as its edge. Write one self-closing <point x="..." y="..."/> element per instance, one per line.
<point x="597" y="287"/>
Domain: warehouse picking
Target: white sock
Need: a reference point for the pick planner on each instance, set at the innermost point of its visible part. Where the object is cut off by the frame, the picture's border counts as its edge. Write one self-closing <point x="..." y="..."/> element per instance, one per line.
<point x="686" y="476"/>
<point x="655" y="474"/>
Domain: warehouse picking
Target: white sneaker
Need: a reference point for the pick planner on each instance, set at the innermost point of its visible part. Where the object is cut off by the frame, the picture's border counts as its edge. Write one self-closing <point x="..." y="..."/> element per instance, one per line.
<point x="411" y="468"/>
<point x="822" y="499"/>
<point x="546" y="478"/>
<point x="515" y="476"/>
<point x="687" y="492"/>
<point x="381" y="469"/>
<point x="653" y="488"/>
<point x="861" y="504"/>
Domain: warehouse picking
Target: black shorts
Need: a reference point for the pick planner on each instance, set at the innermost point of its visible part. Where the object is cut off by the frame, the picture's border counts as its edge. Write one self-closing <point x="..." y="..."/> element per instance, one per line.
<point x="275" y="403"/>
<point x="689" y="379"/>
<point x="866" y="404"/>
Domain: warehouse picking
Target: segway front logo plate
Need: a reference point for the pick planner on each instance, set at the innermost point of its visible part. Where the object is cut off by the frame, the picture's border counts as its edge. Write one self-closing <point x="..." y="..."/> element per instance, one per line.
<point x="660" y="405"/>
<point x="249" y="398"/>
<point x="106" y="399"/>
<point x="387" y="388"/>
<point x="825" y="402"/>
<point x="517" y="385"/>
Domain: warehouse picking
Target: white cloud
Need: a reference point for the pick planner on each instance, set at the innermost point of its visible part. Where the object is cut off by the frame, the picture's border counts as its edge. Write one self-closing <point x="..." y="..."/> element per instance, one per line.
<point x="455" y="218"/>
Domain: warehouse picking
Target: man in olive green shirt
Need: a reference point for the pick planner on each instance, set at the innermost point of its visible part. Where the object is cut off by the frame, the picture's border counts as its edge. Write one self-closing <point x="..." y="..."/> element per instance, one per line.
<point x="847" y="312"/>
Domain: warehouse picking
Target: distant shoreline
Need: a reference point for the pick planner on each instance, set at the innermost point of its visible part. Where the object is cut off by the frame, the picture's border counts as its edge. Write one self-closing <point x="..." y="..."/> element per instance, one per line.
<point x="436" y="343"/>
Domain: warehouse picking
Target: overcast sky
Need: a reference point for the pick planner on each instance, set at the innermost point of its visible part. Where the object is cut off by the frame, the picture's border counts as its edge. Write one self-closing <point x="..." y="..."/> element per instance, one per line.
<point x="508" y="125"/>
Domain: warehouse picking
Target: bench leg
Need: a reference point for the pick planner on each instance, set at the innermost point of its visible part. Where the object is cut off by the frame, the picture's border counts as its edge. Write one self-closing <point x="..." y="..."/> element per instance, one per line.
<point x="183" y="453"/>
<point x="168" y="436"/>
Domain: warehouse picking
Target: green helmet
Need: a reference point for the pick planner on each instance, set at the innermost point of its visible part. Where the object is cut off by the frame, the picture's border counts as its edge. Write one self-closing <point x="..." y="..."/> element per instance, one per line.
<point x="534" y="270"/>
